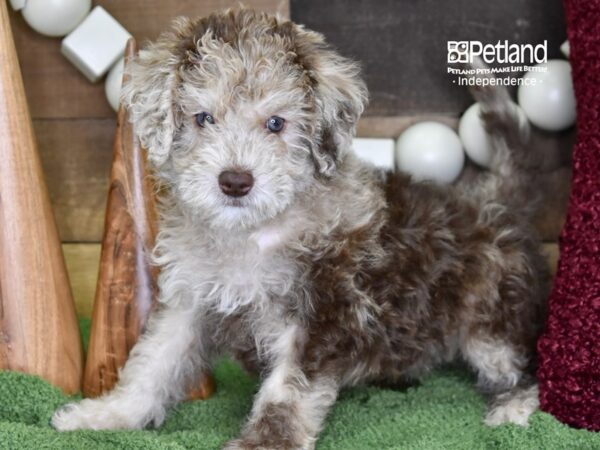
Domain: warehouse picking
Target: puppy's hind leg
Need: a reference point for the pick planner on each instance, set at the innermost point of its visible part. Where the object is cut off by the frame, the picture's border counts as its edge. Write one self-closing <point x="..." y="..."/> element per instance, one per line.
<point x="514" y="406"/>
<point x="154" y="377"/>
<point x="502" y="372"/>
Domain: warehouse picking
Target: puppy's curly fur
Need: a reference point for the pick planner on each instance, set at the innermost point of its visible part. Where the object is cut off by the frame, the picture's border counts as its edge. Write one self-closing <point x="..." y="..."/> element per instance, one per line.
<point x="329" y="272"/>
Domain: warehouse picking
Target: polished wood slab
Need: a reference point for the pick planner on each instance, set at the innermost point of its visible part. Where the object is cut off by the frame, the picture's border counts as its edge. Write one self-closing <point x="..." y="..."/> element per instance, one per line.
<point x="38" y="327"/>
<point x="126" y="288"/>
<point x="72" y="119"/>
<point x="126" y="284"/>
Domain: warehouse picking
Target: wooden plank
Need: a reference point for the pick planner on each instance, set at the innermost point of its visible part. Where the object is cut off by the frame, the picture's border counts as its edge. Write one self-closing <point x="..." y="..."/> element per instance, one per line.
<point x="556" y="147"/>
<point x="146" y="19"/>
<point x="393" y="126"/>
<point x="551" y="252"/>
<point x="402" y="44"/>
<point x="56" y="89"/>
<point x="82" y="264"/>
<point x="83" y="260"/>
<point x="76" y="157"/>
<point x="126" y="285"/>
<point x="556" y="187"/>
<point x="38" y="326"/>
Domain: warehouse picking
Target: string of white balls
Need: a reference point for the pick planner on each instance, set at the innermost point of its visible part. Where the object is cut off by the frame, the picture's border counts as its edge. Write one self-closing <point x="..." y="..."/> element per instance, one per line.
<point x="95" y="42"/>
<point x="433" y="151"/>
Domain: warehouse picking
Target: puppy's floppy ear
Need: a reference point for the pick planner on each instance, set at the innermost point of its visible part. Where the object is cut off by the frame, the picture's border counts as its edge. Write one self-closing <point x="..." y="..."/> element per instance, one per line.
<point x="149" y="96"/>
<point x="340" y="94"/>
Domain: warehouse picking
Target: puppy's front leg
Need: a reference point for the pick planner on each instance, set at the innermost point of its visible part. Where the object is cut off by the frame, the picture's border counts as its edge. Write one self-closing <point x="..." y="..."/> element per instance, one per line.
<point x="289" y="409"/>
<point x="154" y="376"/>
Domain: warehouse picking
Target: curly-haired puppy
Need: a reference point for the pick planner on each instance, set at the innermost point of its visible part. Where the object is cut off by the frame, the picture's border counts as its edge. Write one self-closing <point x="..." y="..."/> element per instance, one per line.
<point x="314" y="269"/>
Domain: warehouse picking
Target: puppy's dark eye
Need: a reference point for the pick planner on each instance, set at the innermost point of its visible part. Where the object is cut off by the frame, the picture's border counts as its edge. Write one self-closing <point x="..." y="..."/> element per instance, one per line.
<point x="204" y="118"/>
<point x="275" y="124"/>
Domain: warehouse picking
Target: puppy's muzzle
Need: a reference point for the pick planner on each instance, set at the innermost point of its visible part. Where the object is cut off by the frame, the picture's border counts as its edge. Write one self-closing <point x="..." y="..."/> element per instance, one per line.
<point x="235" y="184"/>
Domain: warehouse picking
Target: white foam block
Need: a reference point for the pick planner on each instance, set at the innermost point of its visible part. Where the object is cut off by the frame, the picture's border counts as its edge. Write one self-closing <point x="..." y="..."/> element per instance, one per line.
<point x="96" y="44"/>
<point x="379" y="152"/>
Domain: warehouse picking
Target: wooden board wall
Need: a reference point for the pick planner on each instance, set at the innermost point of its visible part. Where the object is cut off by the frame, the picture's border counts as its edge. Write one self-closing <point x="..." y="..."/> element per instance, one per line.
<point x="74" y="123"/>
<point x="82" y="263"/>
<point x="402" y="44"/>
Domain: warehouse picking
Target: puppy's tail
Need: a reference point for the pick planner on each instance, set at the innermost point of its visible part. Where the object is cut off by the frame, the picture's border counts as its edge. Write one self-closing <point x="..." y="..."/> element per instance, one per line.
<point x="506" y="125"/>
<point x="509" y="135"/>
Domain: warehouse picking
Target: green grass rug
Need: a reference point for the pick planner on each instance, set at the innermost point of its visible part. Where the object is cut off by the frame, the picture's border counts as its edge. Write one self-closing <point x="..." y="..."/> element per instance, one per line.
<point x="444" y="412"/>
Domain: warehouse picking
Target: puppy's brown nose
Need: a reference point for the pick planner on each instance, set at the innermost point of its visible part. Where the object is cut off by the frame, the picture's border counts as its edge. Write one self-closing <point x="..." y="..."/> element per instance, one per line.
<point x="235" y="184"/>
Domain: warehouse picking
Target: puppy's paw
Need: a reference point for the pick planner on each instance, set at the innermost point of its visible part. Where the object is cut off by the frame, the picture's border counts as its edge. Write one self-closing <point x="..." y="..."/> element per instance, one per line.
<point x="513" y="408"/>
<point x="236" y="444"/>
<point x="93" y="415"/>
<point x="241" y="444"/>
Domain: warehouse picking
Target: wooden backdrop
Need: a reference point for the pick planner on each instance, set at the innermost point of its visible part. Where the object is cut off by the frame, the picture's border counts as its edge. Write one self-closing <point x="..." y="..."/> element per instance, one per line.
<point x="402" y="44"/>
<point x="75" y="125"/>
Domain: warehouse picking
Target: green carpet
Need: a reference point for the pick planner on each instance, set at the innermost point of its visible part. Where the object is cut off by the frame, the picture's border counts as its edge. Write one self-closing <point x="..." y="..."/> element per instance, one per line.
<point x="444" y="412"/>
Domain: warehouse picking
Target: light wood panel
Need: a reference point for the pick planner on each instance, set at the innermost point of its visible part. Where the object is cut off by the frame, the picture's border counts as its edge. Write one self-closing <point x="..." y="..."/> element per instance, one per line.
<point x="74" y="124"/>
<point x="56" y="89"/>
<point x="552" y="253"/>
<point x="126" y="286"/>
<point x="76" y="155"/>
<point x="82" y="264"/>
<point x="39" y="332"/>
<point x="402" y="44"/>
<point x="83" y="260"/>
<point x="393" y="126"/>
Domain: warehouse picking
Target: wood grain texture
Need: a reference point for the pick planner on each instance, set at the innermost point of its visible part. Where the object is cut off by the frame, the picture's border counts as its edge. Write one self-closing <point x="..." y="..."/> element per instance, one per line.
<point x="56" y="89"/>
<point x="72" y="120"/>
<point x="556" y="187"/>
<point x="126" y="288"/>
<point x="76" y="156"/>
<point x="126" y="282"/>
<point x="38" y="326"/>
<point x="83" y="261"/>
<point x="402" y="44"/>
<point x="75" y="126"/>
<point x="393" y="126"/>
<point x="82" y="264"/>
<point x="551" y="251"/>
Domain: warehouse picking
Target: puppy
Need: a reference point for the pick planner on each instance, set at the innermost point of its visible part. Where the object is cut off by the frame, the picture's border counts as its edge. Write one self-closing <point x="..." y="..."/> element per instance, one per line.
<point x="318" y="271"/>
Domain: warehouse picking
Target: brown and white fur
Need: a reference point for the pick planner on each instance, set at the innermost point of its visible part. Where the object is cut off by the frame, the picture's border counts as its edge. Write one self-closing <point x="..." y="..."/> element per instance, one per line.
<point x="329" y="272"/>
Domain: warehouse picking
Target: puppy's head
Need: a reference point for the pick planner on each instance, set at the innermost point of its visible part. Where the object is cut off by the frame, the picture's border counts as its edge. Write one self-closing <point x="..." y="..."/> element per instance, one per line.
<point x="241" y="112"/>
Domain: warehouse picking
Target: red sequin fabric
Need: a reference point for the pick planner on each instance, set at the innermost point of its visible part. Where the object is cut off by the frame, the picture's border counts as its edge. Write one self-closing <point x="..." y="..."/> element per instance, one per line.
<point x="569" y="350"/>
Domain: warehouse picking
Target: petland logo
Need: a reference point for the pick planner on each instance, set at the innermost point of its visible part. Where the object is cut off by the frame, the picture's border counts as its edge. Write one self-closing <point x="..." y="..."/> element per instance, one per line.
<point x="501" y="52"/>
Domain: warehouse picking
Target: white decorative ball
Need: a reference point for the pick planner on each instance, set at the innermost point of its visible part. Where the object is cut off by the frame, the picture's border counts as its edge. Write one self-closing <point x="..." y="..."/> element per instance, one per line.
<point x="547" y="97"/>
<point x="430" y="151"/>
<point x="565" y="49"/>
<point x="112" y="85"/>
<point x="474" y="138"/>
<point x="17" y="4"/>
<point x="55" y="17"/>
